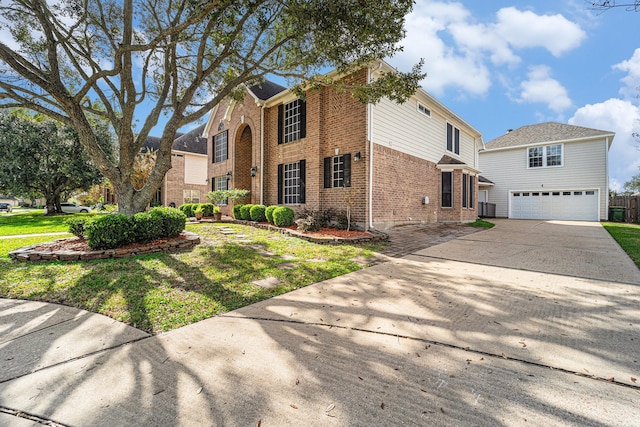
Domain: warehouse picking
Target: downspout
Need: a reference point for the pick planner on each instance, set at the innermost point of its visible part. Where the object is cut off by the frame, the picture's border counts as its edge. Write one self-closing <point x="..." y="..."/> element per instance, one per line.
<point x="370" y="136"/>
<point x="606" y="185"/>
<point x="262" y="154"/>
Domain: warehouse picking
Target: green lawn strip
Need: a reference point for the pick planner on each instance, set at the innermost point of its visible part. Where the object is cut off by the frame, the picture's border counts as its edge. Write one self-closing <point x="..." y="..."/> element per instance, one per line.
<point x="627" y="236"/>
<point x="160" y="292"/>
<point x="17" y="223"/>
<point x="10" y="244"/>
<point x="481" y="223"/>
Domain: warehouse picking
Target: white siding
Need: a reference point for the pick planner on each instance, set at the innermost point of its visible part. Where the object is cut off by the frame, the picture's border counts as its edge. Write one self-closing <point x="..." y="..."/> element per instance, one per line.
<point x="584" y="169"/>
<point x="195" y="169"/>
<point x="403" y="128"/>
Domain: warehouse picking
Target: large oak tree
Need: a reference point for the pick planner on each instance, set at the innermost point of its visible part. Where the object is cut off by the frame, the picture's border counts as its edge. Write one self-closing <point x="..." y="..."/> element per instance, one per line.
<point x="133" y="62"/>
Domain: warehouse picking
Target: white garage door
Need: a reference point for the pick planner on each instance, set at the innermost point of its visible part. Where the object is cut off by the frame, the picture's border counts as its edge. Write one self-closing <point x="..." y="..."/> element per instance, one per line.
<point x="579" y="205"/>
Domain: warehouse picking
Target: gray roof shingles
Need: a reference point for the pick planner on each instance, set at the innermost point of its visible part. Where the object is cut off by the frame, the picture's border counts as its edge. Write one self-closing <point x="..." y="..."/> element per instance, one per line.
<point x="190" y="142"/>
<point x="266" y="89"/>
<point x="544" y="132"/>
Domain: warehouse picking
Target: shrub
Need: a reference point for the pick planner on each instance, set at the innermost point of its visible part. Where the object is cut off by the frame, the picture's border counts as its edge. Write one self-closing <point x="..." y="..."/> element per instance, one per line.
<point x="76" y="226"/>
<point x="173" y="221"/>
<point x="268" y="213"/>
<point x="257" y="213"/>
<point x="236" y="211"/>
<point x="147" y="227"/>
<point x="188" y="209"/>
<point x="308" y="223"/>
<point x="321" y="218"/>
<point x="207" y="209"/>
<point x="245" y="212"/>
<point x="109" y="231"/>
<point x="342" y="221"/>
<point x="283" y="216"/>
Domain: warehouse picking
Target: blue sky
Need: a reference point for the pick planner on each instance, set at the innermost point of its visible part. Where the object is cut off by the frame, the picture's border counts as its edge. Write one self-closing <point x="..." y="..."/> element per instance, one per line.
<point x="504" y="64"/>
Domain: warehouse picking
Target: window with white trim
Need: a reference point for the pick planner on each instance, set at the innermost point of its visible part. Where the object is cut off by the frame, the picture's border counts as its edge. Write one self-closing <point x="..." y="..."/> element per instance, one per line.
<point x="291" y="184"/>
<point x="545" y="156"/>
<point x="221" y="147"/>
<point x="424" y="110"/>
<point x="453" y="139"/>
<point x="191" y="196"/>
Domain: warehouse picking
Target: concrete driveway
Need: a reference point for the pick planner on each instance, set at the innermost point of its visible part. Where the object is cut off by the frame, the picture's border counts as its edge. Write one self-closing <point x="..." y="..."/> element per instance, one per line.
<point x="429" y="339"/>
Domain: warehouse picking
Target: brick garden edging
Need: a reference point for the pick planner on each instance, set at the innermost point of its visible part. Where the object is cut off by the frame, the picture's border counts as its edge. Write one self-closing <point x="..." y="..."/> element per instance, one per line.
<point x="186" y="240"/>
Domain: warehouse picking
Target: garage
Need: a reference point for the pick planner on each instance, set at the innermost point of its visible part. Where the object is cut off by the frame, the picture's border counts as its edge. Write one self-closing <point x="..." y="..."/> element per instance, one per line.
<point x="580" y="205"/>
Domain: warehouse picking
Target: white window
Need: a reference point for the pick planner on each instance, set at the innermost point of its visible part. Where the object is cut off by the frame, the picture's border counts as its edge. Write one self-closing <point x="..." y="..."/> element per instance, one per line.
<point x="424" y="110"/>
<point x="220" y="147"/>
<point x="453" y="139"/>
<point x="221" y="183"/>
<point x="292" y="183"/>
<point x="292" y="121"/>
<point x="545" y="156"/>
<point x="191" y="196"/>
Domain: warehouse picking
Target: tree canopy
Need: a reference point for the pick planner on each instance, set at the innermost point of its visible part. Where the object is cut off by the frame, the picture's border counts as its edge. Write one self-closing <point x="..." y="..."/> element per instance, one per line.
<point x="610" y="4"/>
<point x="41" y="157"/>
<point x="133" y="62"/>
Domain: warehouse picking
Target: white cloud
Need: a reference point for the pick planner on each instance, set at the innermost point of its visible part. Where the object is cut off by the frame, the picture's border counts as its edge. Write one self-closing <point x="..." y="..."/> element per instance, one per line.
<point x="458" y="50"/>
<point x="540" y="87"/>
<point x="620" y="117"/>
<point x="525" y="29"/>
<point x="632" y="80"/>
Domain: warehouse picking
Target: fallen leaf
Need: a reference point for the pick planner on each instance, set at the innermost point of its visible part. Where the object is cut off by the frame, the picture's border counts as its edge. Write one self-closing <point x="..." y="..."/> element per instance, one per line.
<point x="504" y="356"/>
<point x="442" y="410"/>
<point x="330" y="408"/>
<point x="382" y="405"/>
<point x="423" y="390"/>
<point x="418" y="354"/>
<point x="633" y="379"/>
<point x="612" y="379"/>
<point x="297" y="381"/>
<point x="361" y="379"/>
<point x="199" y="390"/>
<point x="293" y="406"/>
<point x="482" y="358"/>
<point x="259" y="423"/>
<point x="586" y="370"/>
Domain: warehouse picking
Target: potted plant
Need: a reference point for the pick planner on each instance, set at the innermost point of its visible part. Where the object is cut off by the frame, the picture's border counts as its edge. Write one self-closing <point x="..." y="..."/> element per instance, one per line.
<point x="217" y="215"/>
<point x="199" y="212"/>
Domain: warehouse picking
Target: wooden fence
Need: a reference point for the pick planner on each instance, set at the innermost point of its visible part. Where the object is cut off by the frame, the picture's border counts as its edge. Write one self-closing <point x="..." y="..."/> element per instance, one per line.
<point x="630" y="203"/>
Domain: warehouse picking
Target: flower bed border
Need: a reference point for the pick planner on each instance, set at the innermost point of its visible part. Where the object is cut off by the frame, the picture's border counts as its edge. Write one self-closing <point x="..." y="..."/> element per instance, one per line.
<point x="186" y="240"/>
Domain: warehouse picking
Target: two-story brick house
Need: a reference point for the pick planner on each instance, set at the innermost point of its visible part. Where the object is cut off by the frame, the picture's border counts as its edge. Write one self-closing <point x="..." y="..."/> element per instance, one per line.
<point x="391" y="163"/>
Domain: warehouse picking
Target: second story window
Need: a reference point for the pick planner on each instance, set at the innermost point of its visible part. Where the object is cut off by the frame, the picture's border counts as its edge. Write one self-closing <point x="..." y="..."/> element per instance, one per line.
<point x="292" y="121"/>
<point x="453" y="139"/>
<point x="220" y="147"/>
<point x="545" y="156"/>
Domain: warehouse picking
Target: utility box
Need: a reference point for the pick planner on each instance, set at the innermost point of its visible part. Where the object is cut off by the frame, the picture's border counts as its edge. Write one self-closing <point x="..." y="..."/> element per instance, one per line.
<point x="425" y="200"/>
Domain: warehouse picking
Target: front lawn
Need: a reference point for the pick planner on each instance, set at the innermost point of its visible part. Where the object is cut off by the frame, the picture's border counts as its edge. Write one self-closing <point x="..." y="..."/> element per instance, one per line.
<point x="30" y="222"/>
<point x="627" y="236"/>
<point x="160" y="292"/>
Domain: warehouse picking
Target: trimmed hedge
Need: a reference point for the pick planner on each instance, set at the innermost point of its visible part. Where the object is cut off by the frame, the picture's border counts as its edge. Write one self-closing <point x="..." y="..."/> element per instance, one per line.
<point x="147" y="227"/>
<point x="109" y="231"/>
<point x="245" y="212"/>
<point x="173" y="221"/>
<point x="188" y="209"/>
<point x="76" y="226"/>
<point x="236" y="211"/>
<point x="283" y="216"/>
<point x="268" y="213"/>
<point x="257" y="213"/>
<point x="207" y="209"/>
<point x="116" y="230"/>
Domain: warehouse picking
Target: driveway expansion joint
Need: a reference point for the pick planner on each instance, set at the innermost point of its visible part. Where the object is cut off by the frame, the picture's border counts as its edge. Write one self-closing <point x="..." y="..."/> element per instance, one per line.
<point x="30" y="417"/>
<point x="440" y="344"/>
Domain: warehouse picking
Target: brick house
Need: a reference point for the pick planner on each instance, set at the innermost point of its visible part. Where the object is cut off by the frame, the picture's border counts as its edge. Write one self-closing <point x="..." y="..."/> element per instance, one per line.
<point x="392" y="163"/>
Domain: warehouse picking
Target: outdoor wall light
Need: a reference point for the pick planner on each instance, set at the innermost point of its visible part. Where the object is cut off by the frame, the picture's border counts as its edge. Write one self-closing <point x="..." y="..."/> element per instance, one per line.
<point x="229" y="175"/>
<point x="357" y="157"/>
<point x="254" y="170"/>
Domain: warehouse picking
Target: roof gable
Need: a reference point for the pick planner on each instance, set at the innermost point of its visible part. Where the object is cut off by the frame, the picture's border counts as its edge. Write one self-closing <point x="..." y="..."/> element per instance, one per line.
<point x="544" y="132"/>
<point x="190" y="142"/>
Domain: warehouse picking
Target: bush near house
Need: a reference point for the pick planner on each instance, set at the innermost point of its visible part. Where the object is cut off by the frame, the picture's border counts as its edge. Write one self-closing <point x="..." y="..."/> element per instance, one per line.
<point x="268" y="213"/>
<point x="245" y="212"/>
<point x="283" y="216"/>
<point x="147" y="227"/>
<point x="236" y="211"/>
<point x="257" y="213"/>
<point x="207" y="209"/>
<point x="110" y="231"/>
<point x="188" y="209"/>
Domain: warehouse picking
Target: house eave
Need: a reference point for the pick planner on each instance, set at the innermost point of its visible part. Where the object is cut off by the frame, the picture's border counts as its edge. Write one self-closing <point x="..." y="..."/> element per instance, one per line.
<point x="608" y="136"/>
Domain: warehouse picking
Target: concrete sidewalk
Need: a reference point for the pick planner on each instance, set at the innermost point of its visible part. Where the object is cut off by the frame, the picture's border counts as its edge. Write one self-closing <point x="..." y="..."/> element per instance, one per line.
<point x="415" y="341"/>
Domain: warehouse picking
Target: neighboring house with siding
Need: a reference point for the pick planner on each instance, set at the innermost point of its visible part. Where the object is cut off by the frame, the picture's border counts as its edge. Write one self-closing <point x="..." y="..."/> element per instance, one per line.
<point x="548" y="171"/>
<point x="392" y="163"/>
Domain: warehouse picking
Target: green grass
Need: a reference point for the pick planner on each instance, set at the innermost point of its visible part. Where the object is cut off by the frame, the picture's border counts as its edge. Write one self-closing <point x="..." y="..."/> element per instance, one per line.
<point x="160" y="292"/>
<point x="30" y="222"/>
<point x="481" y="223"/>
<point x="7" y="245"/>
<point x="627" y="236"/>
